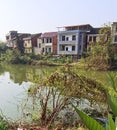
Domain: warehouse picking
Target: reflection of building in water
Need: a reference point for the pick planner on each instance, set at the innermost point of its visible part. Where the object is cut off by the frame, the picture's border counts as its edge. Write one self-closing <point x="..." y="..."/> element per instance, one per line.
<point x="29" y="74"/>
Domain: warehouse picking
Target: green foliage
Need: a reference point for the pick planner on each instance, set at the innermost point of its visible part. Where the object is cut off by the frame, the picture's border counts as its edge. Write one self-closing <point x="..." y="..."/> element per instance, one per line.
<point x="93" y="124"/>
<point x="2" y="46"/>
<point x="76" y="85"/>
<point x="88" y="121"/>
<point x="3" y="124"/>
<point x="102" y="54"/>
<point x="24" y="59"/>
<point x="112" y="80"/>
<point x="113" y="104"/>
<point x="9" y="56"/>
<point x="110" y="125"/>
<point x="112" y="99"/>
<point x="112" y="93"/>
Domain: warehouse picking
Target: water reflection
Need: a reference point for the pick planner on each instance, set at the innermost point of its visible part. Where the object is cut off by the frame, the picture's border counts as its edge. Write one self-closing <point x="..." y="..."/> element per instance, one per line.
<point x="20" y="73"/>
<point x="14" y="82"/>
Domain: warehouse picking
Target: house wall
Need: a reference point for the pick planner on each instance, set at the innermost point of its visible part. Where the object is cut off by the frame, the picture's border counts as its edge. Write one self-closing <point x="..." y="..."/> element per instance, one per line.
<point x="9" y="38"/>
<point x="46" y="45"/>
<point x="70" y="46"/>
<point x="54" y="45"/>
<point x="34" y="39"/>
<point x="27" y="46"/>
<point x="40" y="47"/>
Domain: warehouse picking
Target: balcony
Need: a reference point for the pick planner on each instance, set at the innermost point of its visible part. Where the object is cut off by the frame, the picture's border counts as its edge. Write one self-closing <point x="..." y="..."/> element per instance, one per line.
<point x="48" y="44"/>
<point x="67" y="42"/>
<point x="68" y="52"/>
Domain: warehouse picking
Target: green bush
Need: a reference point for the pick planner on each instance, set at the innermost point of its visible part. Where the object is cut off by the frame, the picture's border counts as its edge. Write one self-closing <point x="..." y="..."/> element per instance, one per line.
<point x="3" y="124"/>
<point x="24" y="59"/>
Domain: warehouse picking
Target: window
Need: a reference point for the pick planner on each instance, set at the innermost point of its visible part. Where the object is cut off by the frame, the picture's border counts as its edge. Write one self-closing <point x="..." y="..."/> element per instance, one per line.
<point x="39" y="45"/>
<point x="73" y="37"/>
<point x="90" y="38"/>
<point x="94" y="39"/>
<point x="66" y="48"/>
<point x="62" y="48"/>
<point x="25" y="44"/>
<point x="116" y="29"/>
<point x="73" y="48"/>
<point x="67" y="38"/>
<point x="49" y="49"/>
<point x="115" y="38"/>
<point x="47" y="40"/>
<point x="43" y="40"/>
<point x="50" y="40"/>
<point x="63" y="38"/>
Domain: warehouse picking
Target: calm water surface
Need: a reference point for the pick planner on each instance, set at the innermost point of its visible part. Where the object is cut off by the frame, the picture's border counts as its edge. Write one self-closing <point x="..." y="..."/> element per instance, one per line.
<point x="14" y="82"/>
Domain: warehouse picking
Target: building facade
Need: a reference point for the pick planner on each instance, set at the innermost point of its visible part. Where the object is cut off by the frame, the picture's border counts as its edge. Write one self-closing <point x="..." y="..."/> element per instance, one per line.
<point x="72" y="39"/>
<point x="30" y="43"/>
<point x="47" y="43"/>
<point x="15" y="40"/>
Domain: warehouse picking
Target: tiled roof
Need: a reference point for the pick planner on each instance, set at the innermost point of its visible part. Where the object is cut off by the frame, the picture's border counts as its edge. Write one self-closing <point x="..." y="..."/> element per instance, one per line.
<point x="49" y="34"/>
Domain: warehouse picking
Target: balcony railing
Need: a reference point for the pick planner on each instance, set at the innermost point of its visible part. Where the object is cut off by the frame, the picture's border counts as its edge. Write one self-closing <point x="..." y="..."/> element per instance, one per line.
<point x="48" y="44"/>
<point x="67" y="42"/>
<point x="68" y="52"/>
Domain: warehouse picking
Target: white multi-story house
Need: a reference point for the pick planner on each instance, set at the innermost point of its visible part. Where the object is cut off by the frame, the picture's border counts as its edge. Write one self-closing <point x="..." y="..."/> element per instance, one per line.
<point x="72" y="40"/>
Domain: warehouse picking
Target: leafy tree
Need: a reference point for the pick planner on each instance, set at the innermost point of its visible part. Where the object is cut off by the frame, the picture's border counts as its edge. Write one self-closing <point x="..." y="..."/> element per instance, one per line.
<point x="55" y="92"/>
<point x="102" y="55"/>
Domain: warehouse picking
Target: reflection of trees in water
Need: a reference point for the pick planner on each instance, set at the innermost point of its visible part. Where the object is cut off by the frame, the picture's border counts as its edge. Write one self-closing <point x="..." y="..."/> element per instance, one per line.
<point x="1" y="69"/>
<point x="20" y="73"/>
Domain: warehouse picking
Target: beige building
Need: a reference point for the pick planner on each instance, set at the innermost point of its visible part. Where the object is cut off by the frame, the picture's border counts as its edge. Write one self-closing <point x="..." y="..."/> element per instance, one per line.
<point x="40" y="47"/>
<point x="27" y="45"/>
<point x="47" y="43"/>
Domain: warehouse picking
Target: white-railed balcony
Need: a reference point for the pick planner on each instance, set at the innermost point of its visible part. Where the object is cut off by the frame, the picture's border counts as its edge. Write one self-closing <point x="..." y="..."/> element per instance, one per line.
<point x="67" y="42"/>
<point x="48" y="44"/>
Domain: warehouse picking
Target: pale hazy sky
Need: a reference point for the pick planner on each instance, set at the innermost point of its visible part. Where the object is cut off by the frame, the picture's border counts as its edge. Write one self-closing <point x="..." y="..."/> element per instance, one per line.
<point x="34" y="16"/>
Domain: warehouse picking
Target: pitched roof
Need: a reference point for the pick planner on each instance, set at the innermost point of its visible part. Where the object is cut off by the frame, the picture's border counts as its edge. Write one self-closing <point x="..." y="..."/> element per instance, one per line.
<point x="49" y="34"/>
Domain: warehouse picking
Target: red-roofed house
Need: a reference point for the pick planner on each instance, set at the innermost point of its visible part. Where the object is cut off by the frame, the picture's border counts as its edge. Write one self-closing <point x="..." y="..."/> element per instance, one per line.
<point x="47" y="43"/>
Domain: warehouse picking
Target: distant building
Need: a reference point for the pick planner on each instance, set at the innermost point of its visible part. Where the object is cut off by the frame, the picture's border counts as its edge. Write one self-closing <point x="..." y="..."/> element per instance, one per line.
<point x="72" y="39"/>
<point x="69" y="40"/>
<point x="9" y="38"/>
<point x="30" y="43"/>
<point x="15" y="40"/>
<point x="47" y="43"/>
<point x="92" y="37"/>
